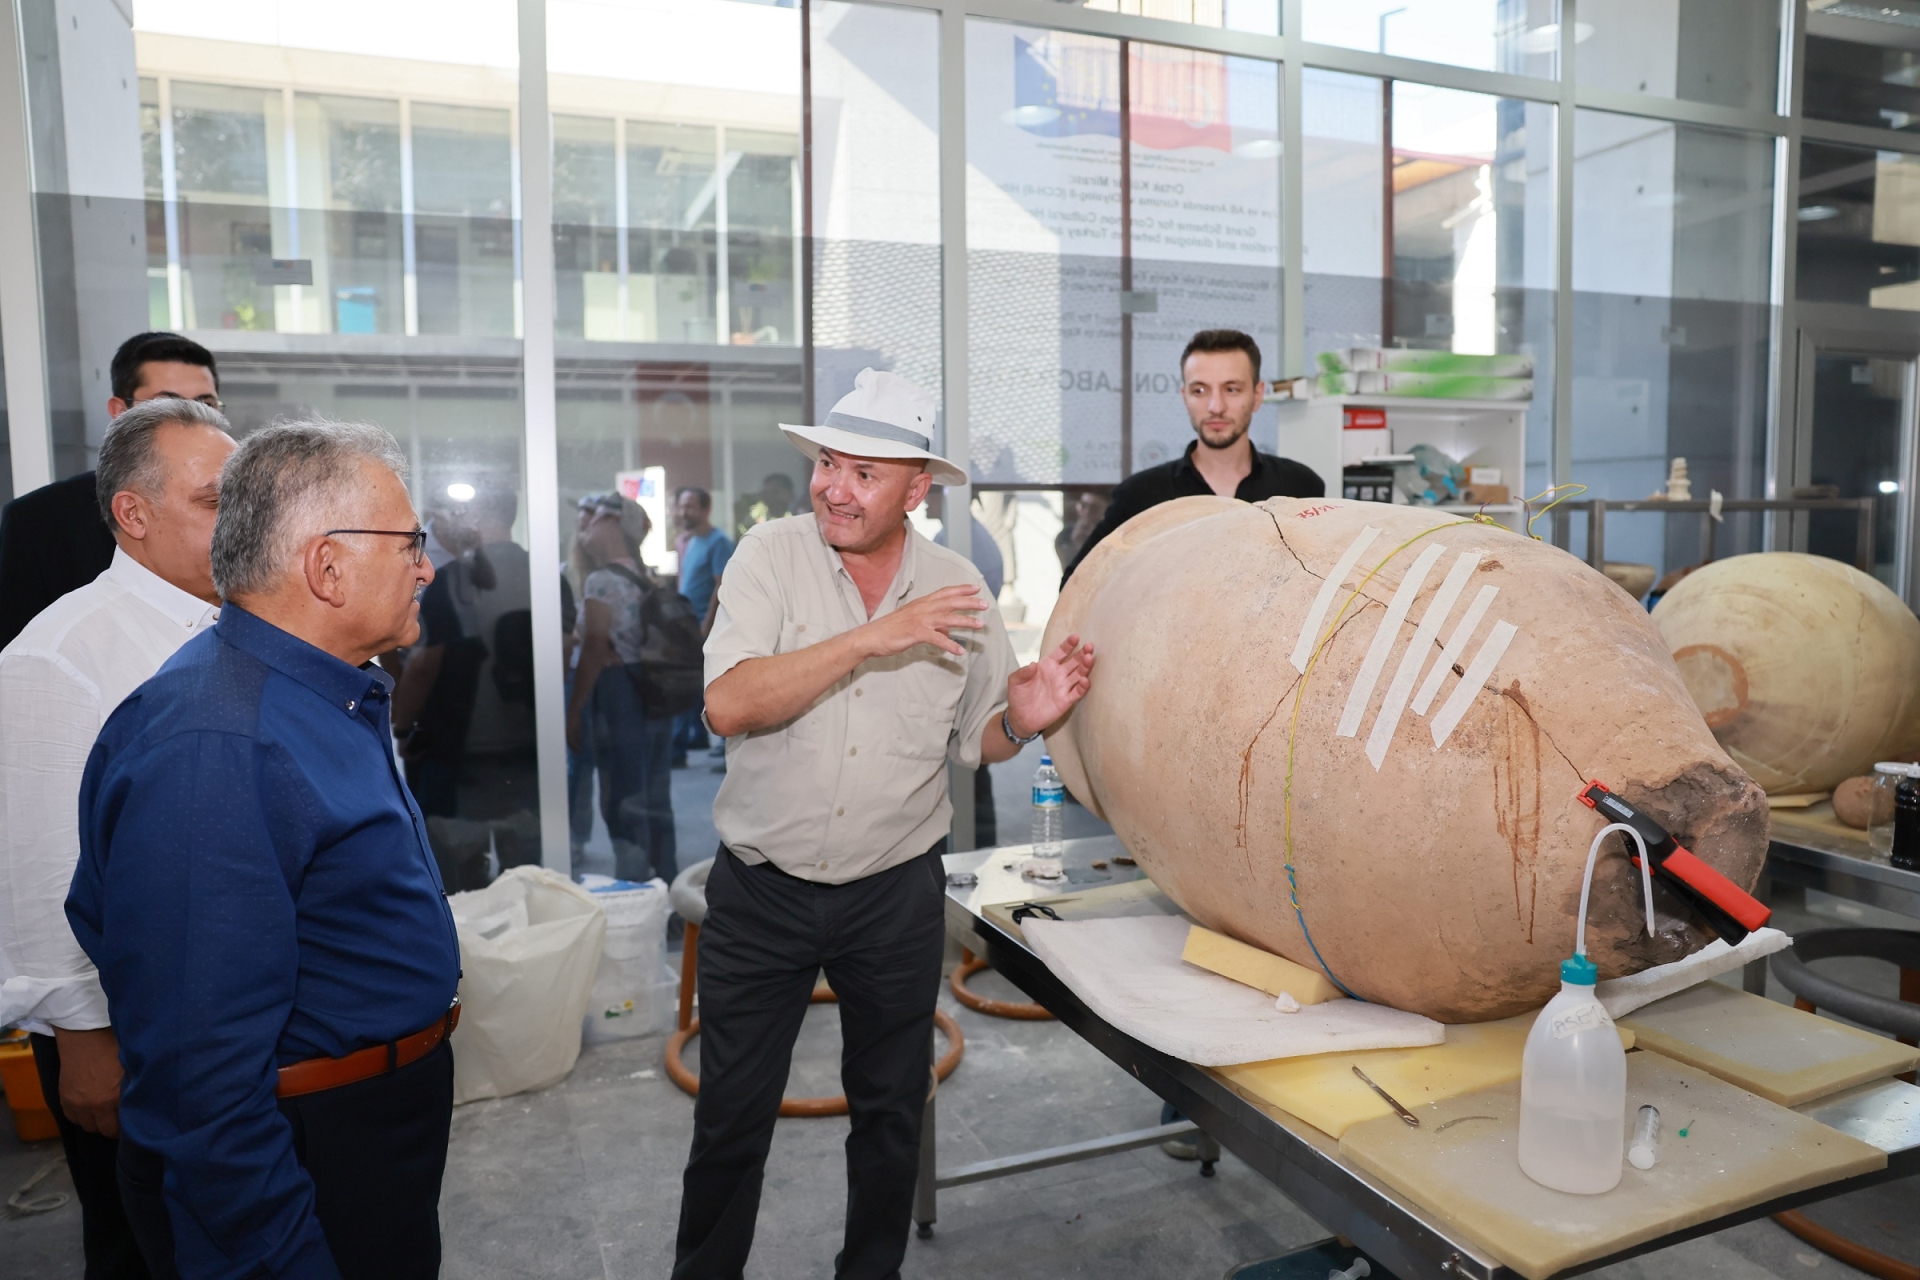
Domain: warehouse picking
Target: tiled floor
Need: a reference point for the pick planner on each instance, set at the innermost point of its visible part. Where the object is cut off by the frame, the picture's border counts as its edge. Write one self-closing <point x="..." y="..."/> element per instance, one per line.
<point x="582" y="1181"/>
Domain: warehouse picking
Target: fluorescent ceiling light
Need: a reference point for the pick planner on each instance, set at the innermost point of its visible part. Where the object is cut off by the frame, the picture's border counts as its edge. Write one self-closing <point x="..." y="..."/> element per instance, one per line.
<point x="1817" y="212"/>
<point x="460" y="491"/>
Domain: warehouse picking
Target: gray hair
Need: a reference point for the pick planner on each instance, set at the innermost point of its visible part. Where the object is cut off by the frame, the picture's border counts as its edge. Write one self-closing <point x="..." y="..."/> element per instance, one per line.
<point x="276" y="491"/>
<point x="128" y="459"/>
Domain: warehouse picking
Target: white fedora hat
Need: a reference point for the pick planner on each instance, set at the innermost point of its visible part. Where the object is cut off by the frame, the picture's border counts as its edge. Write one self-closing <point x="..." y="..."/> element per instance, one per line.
<point x="884" y="416"/>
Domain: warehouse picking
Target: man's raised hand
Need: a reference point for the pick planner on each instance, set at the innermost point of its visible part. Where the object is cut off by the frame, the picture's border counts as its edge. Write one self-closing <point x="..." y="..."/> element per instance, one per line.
<point x="1041" y="692"/>
<point x="927" y="621"/>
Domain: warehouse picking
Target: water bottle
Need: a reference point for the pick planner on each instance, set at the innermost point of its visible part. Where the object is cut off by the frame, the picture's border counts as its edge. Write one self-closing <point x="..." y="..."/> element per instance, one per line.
<point x="1049" y="808"/>
<point x="1573" y="1090"/>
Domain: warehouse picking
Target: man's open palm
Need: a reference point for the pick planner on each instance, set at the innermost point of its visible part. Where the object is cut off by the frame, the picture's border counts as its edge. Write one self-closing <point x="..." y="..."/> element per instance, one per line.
<point x="1041" y="692"/>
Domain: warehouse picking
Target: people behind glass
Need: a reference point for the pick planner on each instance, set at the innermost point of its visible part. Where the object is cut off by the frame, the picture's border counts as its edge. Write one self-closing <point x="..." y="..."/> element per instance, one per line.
<point x="704" y="551"/>
<point x="580" y="748"/>
<point x="463" y="706"/>
<point x="1082" y="518"/>
<point x="774" y="500"/>
<point x="631" y="750"/>
<point x="52" y="540"/>
<point x="986" y="557"/>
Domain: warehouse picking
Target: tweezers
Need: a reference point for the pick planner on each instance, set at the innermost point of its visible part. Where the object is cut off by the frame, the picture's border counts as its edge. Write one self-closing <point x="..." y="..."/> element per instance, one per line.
<point x="1399" y="1110"/>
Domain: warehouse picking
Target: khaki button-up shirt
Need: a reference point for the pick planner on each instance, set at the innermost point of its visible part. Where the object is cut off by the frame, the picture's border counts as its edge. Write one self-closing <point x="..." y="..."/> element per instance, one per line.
<point x="857" y="782"/>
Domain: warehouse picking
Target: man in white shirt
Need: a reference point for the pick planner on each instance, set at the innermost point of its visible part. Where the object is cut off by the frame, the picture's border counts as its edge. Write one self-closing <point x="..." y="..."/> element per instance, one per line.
<point x="60" y="678"/>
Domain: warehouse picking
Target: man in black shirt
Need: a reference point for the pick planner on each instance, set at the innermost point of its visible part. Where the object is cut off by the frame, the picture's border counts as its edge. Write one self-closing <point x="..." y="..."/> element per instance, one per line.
<point x="1220" y="381"/>
<point x="52" y="540"/>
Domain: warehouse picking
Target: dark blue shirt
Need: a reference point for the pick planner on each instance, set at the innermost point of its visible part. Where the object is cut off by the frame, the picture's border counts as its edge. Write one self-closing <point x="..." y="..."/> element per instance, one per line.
<point x="701" y="565"/>
<point x="256" y="888"/>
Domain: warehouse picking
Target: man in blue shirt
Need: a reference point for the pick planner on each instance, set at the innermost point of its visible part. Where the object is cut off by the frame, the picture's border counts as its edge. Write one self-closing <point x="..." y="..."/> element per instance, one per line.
<point x="256" y="888"/>
<point x="704" y="551"/>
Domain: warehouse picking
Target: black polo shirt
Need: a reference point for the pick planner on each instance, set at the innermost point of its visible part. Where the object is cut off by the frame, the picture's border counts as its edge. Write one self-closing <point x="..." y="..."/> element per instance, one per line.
<point x="1271" y="477"/>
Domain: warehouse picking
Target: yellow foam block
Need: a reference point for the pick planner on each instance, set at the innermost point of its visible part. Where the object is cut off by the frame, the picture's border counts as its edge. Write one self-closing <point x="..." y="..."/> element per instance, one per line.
<point x="1323" y="1091"/>
<point x="1780" y="1053"/>
<point x="1261" y="970"/>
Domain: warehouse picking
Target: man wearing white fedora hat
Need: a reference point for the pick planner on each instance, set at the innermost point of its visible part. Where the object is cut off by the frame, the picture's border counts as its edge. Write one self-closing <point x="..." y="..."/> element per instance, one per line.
<point x="850" y="659"/>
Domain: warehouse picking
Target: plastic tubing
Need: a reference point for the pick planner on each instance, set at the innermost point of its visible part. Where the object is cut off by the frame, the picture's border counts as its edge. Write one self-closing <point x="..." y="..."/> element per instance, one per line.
<point x="1586" y="882"/>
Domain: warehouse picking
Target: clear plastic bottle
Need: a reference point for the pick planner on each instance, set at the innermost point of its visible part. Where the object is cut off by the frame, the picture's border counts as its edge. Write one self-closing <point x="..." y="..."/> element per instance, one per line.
<point x="1887" y="777"/>
<point x="1049" y="809"/>
<point x="1573" y="1090"/>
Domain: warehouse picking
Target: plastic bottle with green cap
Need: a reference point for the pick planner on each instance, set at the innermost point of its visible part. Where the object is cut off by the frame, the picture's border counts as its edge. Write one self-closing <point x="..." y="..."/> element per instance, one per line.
<point x="1573" y="1074"/>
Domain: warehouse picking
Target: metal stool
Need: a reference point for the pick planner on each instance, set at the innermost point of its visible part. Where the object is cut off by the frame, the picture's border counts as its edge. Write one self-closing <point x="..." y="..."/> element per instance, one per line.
<point x="1899" y="1018"/>
<point x="688" y="894"/>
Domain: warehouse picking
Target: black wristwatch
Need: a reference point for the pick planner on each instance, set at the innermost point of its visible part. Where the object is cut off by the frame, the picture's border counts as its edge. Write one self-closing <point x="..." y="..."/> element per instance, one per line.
<point x="1006" y="727"/>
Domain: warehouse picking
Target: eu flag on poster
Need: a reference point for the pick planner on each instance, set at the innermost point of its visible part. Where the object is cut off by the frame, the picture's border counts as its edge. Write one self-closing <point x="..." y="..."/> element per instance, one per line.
<point x="1067" y="85"/>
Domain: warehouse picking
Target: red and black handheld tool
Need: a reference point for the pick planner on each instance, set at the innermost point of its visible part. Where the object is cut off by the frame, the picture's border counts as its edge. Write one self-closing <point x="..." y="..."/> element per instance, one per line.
<point x="1732" y="912"/>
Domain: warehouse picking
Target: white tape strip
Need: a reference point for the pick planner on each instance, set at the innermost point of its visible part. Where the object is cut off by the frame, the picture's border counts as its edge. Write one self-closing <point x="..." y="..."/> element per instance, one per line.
<point x="1383" y="640"/>
<point x="1456" y="645"/>
<point x="1310" y="633"/>
<point x="1470" y="684"/>
<point x="1418" y="648"/>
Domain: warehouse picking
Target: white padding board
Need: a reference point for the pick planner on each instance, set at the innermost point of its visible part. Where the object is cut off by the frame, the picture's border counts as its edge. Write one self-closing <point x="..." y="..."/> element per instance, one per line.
<point x="1129" y="971"/>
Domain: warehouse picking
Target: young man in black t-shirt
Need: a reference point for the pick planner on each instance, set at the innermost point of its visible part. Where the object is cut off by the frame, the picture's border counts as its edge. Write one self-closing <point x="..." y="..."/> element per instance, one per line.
<point x="1220" y="382"/>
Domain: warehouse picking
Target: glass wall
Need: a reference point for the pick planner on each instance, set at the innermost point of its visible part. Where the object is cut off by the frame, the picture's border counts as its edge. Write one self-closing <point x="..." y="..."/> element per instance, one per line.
<point x="746" y="214"/>
<point x="1429" y="226"/>
<point x="1858" y="227"/>
<point x="1520" y="36"/>
<point x="1863" y="63"/>
<point x="1725" y="52"/>
<point x="1672" y="249"/>
<point x="1080" y="304"/>
<point x="333" y="214"/>
<point x="679" y="348"/>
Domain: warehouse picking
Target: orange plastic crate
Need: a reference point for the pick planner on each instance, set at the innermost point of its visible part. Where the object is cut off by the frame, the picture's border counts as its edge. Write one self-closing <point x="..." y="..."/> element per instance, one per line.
<point x="31" y="1118"/>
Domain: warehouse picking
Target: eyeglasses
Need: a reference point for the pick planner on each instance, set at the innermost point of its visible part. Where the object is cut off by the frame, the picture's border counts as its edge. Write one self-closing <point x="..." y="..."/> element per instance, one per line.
<point x="212" y="402"/>
<point x="418" y="537"/>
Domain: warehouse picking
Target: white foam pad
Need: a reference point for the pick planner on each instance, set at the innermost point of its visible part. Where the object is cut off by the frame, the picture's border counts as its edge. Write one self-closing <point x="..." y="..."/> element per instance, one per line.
<point x="1129" y="971"/>
<point x="1622" y="996"/>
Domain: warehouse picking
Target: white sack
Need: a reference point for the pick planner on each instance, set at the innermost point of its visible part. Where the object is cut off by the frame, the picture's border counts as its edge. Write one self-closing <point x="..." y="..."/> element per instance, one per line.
<point x="1129" y="971"/>
<point x="529" y="945"/>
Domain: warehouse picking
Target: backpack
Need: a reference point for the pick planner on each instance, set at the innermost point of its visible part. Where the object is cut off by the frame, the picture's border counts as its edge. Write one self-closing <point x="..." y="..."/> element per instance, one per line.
<point x="671" y="674"/>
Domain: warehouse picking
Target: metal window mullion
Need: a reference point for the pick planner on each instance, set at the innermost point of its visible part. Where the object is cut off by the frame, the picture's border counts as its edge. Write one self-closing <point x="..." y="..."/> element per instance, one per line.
<point x="1560" y="458"/>
<point x="1293" y="197"/>
<point x="722" y="259"/>
<point x="21" y="318"/>
<point x="290" y="160"/>
<point x="623" y="264"/>
<point x="1783" y="363"/>
<point x="956" y="442"/>
<point x="517" y="209"/>
<point x="1855" y="135"/>
<point x="1679" y="110"/>
<point x="409" y="242"/>
<point x="170" y="206"/>
<point x="535" y="189"/>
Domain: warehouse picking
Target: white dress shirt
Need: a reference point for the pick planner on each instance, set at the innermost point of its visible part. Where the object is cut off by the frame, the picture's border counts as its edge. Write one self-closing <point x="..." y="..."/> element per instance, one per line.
<point x="59" y="681"/>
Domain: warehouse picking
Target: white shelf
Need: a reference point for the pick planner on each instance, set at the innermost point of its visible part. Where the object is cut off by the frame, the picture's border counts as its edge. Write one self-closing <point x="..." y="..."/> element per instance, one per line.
<point x="1488" y="433"/>
<point x="1421" y="403"/>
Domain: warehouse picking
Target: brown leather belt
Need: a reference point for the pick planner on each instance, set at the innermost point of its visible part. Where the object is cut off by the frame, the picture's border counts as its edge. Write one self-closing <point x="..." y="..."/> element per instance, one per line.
<point x="316" y="1074"/>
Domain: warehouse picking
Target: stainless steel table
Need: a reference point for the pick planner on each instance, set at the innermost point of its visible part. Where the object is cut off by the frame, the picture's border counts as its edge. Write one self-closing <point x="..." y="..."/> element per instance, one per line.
<point x="1301" y="1161"/>
<point x="1813" y="856"/>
